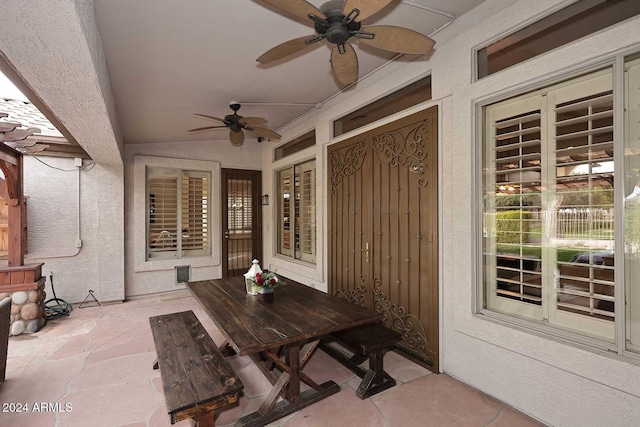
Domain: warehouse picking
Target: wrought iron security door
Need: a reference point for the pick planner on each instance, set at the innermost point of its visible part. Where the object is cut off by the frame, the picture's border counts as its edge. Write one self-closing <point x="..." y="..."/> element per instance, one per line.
<point x="241" y="220"/>
<point x="383" y="225"/>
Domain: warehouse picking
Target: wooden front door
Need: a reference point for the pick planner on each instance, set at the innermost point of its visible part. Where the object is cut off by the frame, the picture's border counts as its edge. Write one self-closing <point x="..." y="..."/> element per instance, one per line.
<point x="241" y="220"/>
<point x="383" y="227"/>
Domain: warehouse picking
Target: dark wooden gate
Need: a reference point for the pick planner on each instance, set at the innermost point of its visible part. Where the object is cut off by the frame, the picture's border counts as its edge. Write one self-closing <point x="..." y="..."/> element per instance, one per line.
<point x="383" y="227"/>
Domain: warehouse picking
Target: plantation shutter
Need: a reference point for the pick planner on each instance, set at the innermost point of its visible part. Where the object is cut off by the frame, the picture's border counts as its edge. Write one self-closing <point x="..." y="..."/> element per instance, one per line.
<point x="178" y="213"/>
<point x="306" y="211"/>
<point x="162" y="232"/>
<point x="195" y="211"/>
<point x="513" y="206"/>
<point x="285" y="212"/>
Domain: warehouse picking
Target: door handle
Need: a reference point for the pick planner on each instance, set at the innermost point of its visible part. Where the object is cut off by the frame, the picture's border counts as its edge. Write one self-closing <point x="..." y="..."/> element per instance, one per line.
<point x="366" y="252"/>
<point x="226" y="234"/>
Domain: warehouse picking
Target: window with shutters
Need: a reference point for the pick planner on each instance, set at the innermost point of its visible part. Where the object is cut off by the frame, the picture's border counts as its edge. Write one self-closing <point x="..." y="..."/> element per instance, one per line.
<point x="297" y="211"/>
<point x="178" y="213"/>
<point x="549" y="224"/>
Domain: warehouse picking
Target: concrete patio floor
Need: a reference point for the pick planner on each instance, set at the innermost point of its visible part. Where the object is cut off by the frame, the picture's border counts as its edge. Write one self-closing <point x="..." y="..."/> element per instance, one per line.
<point x="96" y="364"/>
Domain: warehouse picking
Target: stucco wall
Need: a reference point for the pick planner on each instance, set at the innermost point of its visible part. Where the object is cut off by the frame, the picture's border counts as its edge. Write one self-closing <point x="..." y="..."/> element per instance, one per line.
<point x="55" y="48"/>
<point x="149" y="278"/>
<point x="555" y="381"/>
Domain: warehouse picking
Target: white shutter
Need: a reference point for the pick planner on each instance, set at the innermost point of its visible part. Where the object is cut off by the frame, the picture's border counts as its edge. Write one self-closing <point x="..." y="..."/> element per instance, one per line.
<point x="285" y="212"/>
<point x="306" y="211"/>
<point x="513" y="166"/>
<point x="195" y="211"/>
<point x="162" y="233"/>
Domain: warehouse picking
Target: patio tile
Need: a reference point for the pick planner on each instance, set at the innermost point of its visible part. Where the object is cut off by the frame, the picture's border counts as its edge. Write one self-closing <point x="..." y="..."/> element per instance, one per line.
<point x="44" y="382"/>
<point x="447" y="403"/>
<point x="100" y="360"/>
<point x="120" y="370"/>
<point x="255" y="383"/>
<point x="30" y="419"/>
<point x="342" y="409"/>
<point x="511" y="418"/>
<point x="108" y="406"/>
<point x="75" y="345"/>
<point x="401" y="368"/>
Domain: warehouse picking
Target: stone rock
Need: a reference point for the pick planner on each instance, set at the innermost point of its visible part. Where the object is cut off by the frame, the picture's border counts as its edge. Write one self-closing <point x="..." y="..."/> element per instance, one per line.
<point x="30" y="311"/>
<point x="42" y="321"/>
<point x="18" y="327"/>
<point x="19" y="297"/>
<point x="12" y="318"/>
<point x="43" y="295"/>
<point x="3" y="295"/>
<point x="33" y="326"/>
<point x="34" y="296"/>
<point x="15" y="308"/>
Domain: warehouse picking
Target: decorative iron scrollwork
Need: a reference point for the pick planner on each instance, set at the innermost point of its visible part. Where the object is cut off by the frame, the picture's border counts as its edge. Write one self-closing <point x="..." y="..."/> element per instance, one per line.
<point x="358" y="295"/>
<point x="346" y="164"/>
<point x="405" y="147"/>
<point x="414" y="334"/>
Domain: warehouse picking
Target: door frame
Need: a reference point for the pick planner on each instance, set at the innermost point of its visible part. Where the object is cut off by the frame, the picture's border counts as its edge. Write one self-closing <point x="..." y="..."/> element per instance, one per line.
<point x="256" y="200"/>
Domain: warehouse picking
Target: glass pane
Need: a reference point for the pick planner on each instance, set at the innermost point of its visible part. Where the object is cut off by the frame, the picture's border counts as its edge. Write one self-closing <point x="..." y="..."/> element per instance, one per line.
<point x="583" y="206"/>
<point x="564" y="26"/>
<point x="285" y="211"/>
<point x="305" y="213"/>
<point x="162" y="191"/>
<point x="402" y="99"/>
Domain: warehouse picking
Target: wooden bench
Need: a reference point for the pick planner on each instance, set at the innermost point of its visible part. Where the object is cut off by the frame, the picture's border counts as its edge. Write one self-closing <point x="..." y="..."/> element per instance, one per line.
<point x="368" y="341"/>
<point x="196" y="378"/>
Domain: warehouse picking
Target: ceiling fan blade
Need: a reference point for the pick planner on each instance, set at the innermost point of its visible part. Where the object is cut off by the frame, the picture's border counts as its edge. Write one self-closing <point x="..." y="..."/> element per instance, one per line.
<point x="345" y="65"/>
<point x="366" y="7"/>
<point x="265" y="133"/>
<point x="237" y="137"/>
<point x="285" y="49"/>
<point x="398" y="39"/>
<point x="297" y="8"/>
<point x="253" y="121"/>
<point x="206" y="128"/>
<point x="210" y="117"/>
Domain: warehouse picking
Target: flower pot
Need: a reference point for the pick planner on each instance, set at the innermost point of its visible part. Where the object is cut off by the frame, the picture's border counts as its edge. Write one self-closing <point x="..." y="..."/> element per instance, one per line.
<point x="265" y="294"/>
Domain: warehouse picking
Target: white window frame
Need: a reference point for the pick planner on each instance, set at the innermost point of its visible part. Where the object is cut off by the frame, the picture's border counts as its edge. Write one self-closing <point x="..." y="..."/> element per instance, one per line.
<point x="310" y="259"/>
<point x="177" y="249"/>
<point x="139" y="217"/>
<point x="513" y="94"/>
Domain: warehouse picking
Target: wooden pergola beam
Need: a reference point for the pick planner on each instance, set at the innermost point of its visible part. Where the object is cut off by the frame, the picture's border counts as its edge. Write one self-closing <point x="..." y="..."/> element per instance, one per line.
<point x="11" y="165"/>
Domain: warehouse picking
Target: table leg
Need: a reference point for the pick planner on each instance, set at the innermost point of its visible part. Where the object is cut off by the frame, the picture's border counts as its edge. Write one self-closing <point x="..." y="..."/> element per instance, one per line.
<point x="288" y="386"/>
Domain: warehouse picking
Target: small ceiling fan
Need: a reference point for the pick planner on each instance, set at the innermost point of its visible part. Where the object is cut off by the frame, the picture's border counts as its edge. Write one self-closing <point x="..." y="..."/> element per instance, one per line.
<point x="337" y="21"/>
<point x="238" y="124"/>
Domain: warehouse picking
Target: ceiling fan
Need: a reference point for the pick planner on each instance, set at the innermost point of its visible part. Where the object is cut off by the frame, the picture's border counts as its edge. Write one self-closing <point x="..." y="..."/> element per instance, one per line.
<point x="337" y="21"/>
<point x="238" y="124"/>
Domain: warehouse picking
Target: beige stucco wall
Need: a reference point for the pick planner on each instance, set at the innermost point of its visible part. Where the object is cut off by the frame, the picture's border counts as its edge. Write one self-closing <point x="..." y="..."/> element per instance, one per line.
<point x="56" y="49"/>
<point x="144" y="277"/>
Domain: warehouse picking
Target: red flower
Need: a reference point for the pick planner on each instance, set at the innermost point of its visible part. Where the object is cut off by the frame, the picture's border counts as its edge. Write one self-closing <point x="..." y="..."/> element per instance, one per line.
<point x="259" y="279"/>
<point x="272" y="281"/>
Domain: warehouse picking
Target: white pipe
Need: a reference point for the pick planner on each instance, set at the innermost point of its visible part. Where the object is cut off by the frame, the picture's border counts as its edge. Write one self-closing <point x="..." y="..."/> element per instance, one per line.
<point x="281" y="104"/>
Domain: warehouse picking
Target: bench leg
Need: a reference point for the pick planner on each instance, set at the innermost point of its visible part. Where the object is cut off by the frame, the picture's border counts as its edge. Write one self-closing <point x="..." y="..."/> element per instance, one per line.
<point x="155" y="365"/>
<point x="376" y="379"/>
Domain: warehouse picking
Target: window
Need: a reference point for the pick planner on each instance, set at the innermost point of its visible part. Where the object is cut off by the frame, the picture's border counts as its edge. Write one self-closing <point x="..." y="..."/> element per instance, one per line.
<point x="305" y="141"/>
<point x="548" y="235"/>
<point x="408" y="96"/>
<point x="178" y="213"/>
<point x="580" y="19"/>
<point x="297" y="211"/>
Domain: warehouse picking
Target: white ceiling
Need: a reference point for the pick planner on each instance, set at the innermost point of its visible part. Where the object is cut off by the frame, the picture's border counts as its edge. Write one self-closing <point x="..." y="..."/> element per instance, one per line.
<point x="168" y="60"/>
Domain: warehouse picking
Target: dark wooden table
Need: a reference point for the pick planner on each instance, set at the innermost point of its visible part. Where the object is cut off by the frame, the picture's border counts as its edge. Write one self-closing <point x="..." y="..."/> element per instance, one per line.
<point x="292" y="324"/>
